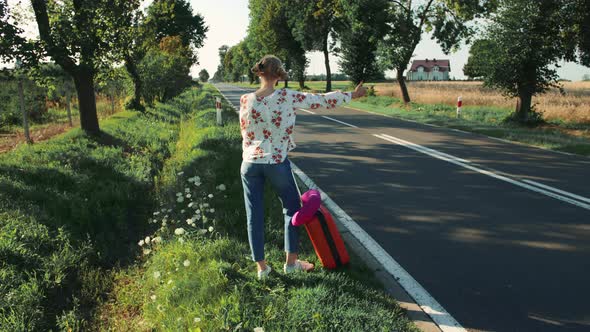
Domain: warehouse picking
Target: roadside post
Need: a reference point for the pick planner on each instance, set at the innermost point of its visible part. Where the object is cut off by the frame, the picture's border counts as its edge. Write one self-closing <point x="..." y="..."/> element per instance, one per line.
<point x="218" y="108"/>
<point x="459" y="105"/>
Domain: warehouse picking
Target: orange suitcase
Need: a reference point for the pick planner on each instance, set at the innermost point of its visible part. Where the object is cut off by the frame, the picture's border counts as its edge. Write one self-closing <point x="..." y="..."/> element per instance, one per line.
<point x="326" y="240"/>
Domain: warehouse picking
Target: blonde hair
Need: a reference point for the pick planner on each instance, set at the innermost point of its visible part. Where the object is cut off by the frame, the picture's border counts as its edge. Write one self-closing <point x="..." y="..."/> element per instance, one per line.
<point x="270" y="66"/>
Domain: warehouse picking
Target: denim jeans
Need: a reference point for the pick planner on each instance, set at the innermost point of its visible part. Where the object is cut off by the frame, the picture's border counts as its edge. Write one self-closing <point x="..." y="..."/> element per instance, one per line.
<point x="281" y="179"/>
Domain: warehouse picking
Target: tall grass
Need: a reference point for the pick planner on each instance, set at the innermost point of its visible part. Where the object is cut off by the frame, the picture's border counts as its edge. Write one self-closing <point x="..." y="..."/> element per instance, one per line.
<point x="574" y="106"/>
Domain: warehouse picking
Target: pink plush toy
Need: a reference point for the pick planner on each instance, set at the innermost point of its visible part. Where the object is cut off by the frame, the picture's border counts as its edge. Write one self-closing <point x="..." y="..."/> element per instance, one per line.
<point x="311" y="201"/>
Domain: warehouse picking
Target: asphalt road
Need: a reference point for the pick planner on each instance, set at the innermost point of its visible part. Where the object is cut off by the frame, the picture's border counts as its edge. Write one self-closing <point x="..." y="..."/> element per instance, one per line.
<point x="498" y="233"/>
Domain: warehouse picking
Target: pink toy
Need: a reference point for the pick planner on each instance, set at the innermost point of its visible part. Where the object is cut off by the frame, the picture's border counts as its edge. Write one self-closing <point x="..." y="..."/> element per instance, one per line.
<point x="311" y="201"/>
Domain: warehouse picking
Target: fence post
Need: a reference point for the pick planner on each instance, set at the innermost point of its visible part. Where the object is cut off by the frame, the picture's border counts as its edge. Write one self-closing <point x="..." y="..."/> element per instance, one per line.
<point x="218" y="107"/>
<point x="459" y="105"/>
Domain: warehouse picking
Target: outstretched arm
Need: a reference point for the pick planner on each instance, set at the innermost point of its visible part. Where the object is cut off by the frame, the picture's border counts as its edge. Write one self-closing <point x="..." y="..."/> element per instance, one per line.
<point x="327" y="100"/>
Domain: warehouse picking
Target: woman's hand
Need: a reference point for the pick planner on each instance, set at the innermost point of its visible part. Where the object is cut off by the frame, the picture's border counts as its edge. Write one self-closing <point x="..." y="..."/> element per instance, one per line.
<point x="359" y="91"/>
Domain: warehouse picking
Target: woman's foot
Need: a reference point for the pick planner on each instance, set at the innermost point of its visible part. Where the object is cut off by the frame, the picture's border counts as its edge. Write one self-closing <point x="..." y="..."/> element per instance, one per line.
<point x="298" y="266"/>
<point x="263" y="274"/>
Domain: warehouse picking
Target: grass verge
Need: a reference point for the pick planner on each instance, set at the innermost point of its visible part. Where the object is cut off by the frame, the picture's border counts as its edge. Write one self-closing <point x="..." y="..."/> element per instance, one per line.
<point x="196" y="273"/>
<point x="71" y="207"/>
<point x="478" y="119"/>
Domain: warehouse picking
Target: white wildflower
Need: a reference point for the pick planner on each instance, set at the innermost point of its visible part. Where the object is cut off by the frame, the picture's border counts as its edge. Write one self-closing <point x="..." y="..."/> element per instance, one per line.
<point x="157" y="239"/>
<point x="188" y="196"/>
<point x="147" y="240"/>
<point x="221" y="187"/>
<point x="187" y="190"/>
<point x="181" y="240"/>
<point x="178" y="194"/>
<point x="258" y="329"/>
<point x="179" y="231"/>
<point x="210" y="229"/>
<point x="198" y="211"/>
<point x="197" y="319"/>
<point x="157" y="274"/>
<point x="206" y="205"/>
<point x="180" y="199"/>
<point x="156" y="213"/>
<point x="186" y="263"/>
<point x="140" y="243"/>
<point x="169" y="281"/>
<point x="147" y="251"/>
<point x="202" y="231"/>
<point x="191" y="204"/>
<point x="160" y="308"/>
<point x="181" y="211"/>
<point x="212" y="210"/>
<point x="169" y="210"/>
<point x="153" y="297"/>
<point x="163" y="223"/>
<point x="180" y="173"/>
<point x="210" y="195"/>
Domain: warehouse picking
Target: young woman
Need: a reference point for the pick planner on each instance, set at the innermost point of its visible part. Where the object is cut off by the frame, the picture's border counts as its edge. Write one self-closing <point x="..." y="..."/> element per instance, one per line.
<point x="267" y="119"/>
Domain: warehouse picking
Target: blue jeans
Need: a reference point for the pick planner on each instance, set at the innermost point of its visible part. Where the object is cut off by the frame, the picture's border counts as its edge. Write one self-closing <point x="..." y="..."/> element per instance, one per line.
<point x="281" y="179"/>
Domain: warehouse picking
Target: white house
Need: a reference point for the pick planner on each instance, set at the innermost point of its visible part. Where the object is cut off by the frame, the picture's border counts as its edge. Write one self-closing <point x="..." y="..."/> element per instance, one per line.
<point x="429" y="70"/>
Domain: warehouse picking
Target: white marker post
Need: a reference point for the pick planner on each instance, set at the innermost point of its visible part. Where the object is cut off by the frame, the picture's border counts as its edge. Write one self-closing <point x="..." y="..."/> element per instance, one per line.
<point x="218" y="107"/>
<point x="459" y="105"/>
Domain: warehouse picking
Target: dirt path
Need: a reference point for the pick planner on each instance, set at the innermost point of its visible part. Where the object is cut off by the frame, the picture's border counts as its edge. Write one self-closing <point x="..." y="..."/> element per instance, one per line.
<point x="10" y="141"/>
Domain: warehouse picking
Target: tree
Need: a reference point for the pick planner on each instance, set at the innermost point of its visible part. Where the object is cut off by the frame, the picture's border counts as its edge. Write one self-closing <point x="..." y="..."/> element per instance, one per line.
<point x="525" y="50"/>
<point x="270" y="29"/>
<point x="586" y="77"/>
<point x="447" y="19"/>
<point x="312" y="24"/>
<point x="363" y="24"/>
<point x="204" y="76"/>
<point x="57" y="82"/>
<point x="476" y="65"/>
<point x="76" y="34"/>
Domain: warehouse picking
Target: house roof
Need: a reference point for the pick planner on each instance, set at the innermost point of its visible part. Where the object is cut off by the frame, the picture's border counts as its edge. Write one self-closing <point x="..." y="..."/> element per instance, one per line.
<point x="428" y="64"/>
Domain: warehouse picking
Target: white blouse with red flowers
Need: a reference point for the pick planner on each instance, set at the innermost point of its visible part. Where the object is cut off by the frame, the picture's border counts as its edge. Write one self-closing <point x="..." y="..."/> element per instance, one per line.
<point x="267" y="122"/>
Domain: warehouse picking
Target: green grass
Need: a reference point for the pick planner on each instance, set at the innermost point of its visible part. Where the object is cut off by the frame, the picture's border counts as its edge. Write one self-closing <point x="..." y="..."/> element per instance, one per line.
<point x="483" y="120"/>
<point x="73" y="206"/>
<point x="218" y="290"/>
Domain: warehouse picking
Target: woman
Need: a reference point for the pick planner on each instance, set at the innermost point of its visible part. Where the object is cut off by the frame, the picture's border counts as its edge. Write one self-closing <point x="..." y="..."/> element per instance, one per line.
<point x="267" y="119"/>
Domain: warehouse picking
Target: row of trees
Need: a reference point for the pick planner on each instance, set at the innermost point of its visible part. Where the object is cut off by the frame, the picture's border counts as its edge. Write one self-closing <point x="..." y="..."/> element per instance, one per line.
<point x="87" y="37"/>
<point x="518" y="41"/>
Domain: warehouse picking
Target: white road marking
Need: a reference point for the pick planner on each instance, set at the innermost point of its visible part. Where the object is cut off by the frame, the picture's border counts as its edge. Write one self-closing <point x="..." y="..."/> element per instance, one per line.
<point x="578" y="197"/>
<point x="428" y="149"/>
<point x="431" y="307"/>
<point x="344" y="123"/>
<point x="308" y="111"/>
<point x="457" y="161"/>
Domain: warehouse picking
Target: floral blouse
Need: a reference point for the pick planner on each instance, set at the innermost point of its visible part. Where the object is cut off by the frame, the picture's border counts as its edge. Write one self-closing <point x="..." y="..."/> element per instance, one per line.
<point x="267" y="123"/>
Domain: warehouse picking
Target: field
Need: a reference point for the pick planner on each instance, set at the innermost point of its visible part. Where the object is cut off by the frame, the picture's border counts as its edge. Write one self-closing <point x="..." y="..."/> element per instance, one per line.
<point x="573" y="107"/>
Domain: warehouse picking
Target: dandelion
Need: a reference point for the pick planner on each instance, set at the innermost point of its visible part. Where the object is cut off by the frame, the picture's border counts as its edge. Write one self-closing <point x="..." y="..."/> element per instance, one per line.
<point x="210" y="229"/>
<point x="179" y="231"/>
<point x="197" y="320"/>
<point x="186" y="263"/>
<point x="147" y="240"/>
<point x="180" y="199"/>
<point x="180" y="173"/>
<point x="210" y="195"/>
<point x="153" y="297"/>
<point x="157" y="274"/>
<point x="141" y="242"/>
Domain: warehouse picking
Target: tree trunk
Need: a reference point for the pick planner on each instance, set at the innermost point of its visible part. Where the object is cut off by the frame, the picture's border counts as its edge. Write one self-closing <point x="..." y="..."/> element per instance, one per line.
<point x="401" y="80"/>
<point x="327" y="64"/>
<point x="84" y="82"/>
<point x="68" y="109"/>
<point x="523" y="106"/>
<point x="301" y="83"/>
<point x="132" y="70"/>
<point x="21" y="98"/>
<point x="286" y="83"/>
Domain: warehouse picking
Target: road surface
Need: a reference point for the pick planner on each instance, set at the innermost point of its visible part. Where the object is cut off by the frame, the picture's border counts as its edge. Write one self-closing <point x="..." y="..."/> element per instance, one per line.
<point x="498" y="233"/>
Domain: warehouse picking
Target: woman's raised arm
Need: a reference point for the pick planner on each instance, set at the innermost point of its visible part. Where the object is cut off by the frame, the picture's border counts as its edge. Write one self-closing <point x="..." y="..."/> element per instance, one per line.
<point x="328" y="100"/>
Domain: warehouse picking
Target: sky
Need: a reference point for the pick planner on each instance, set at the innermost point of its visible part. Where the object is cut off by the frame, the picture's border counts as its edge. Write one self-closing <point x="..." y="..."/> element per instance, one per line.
<point x="228" y="24"/>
